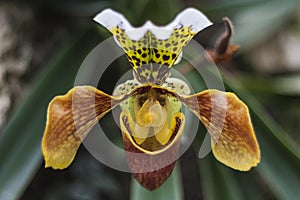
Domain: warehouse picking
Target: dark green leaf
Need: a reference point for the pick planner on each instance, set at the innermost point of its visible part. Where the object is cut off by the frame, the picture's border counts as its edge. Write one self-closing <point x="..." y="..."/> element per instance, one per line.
<point x="20" y="141"/>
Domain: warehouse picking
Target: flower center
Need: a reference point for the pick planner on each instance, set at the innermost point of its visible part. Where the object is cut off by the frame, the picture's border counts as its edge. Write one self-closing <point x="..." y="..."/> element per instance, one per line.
<point x="151" y="114"/>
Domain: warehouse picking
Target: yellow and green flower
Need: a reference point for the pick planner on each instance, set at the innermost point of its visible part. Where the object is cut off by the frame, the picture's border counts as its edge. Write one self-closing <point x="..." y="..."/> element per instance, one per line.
<point x="151" y="120"/>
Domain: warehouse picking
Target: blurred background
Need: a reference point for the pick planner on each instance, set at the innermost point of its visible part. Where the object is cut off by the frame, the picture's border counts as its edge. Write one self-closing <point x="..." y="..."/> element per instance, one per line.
<point x="42" y="45"/>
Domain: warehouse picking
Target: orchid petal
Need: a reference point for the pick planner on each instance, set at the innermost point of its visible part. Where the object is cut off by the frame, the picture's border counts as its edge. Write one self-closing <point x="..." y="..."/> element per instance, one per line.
<point x="70" y="118"/>
<point x="228" y="122"/>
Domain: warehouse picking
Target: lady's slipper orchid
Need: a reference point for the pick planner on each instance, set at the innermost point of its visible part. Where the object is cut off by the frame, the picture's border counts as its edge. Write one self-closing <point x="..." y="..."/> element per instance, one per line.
<point x="151" y="121"/>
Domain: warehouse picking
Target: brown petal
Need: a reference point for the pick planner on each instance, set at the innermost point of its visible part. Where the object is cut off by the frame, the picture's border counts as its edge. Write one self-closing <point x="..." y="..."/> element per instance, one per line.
<point x="228" y="122"/>
<point x="151" y="168"/>
<point x="70" y="117"/>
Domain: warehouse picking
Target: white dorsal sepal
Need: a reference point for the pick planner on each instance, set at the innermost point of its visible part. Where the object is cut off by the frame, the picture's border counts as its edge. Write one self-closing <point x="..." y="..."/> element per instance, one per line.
<point x="189" y="17"/>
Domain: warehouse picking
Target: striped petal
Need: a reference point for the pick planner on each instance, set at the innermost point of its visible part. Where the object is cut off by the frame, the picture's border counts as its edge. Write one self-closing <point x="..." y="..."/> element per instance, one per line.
<point x="70" y="118"/>
<point x="228" y="122"/>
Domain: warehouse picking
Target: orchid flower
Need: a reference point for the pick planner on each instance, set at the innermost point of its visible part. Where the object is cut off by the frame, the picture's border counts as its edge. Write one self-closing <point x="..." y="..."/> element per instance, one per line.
<point x="151" y="122"/>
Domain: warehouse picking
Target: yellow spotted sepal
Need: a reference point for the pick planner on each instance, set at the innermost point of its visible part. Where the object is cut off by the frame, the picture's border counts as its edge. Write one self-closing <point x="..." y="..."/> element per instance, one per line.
<point x="152" y="50"/>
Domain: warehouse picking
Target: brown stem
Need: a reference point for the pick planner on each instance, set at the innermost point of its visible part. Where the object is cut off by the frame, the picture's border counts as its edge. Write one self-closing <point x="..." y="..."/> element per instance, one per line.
<point x="223" y="50"/>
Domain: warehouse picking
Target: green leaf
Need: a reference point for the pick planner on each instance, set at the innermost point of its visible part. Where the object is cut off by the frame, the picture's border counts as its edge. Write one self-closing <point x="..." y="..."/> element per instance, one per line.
<point x="220" y="182"/>
<point x="255" y="24"/>
<point x="156" y="11"/>
<point x="287" y="84"/>
<point x="20" y="153"/>
<point x="171" y="189"/>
